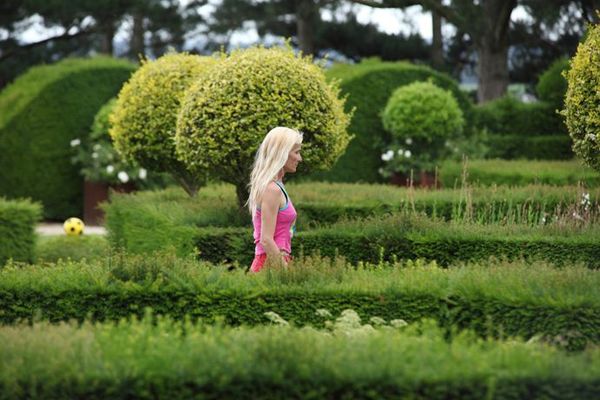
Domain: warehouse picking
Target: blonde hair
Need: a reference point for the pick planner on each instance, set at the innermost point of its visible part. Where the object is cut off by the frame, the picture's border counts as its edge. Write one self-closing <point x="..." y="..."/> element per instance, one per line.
<point x="270" y="159"/>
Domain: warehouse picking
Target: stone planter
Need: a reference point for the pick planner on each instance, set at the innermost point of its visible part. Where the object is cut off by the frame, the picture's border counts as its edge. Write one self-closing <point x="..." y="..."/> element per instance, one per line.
<point x="95" y="193"/>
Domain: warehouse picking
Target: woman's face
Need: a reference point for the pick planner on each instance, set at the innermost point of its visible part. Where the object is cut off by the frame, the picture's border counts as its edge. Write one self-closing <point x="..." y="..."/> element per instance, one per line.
<point x="293" y="159"/>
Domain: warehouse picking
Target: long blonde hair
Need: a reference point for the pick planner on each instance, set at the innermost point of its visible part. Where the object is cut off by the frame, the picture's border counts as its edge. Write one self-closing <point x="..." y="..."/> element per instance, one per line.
<point x="270" y="159"/>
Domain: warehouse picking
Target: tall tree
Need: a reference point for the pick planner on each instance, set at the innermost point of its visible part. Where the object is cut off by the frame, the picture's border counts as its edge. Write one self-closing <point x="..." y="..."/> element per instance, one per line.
<point x="486" y="22"/>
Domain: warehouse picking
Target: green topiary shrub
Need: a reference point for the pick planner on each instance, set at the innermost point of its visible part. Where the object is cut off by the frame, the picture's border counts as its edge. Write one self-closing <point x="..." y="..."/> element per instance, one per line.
<point x="552" y="85"/>
<point x="582" y="103"/>
<point x="144" y="118"/>
<point x="422" y="119"/>
<point x="17" y="229"/>
<point x="227" y="113"/>
<point x="40" y="114"/>
<point x="368" y="86"/>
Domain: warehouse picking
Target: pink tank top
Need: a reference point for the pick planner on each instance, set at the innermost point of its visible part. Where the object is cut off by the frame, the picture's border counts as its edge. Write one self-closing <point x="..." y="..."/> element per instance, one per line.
<point x="285" y="226"/>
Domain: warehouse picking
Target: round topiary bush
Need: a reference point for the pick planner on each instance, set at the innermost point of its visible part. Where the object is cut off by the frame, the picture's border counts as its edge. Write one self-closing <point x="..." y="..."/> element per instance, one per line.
<point x="582" y="103"/>
<point x="144" y="118"/>
<point x="227" y="113"/>
<point x="368" y="86"/>
<point x="552" y="85"/>
<point x="422" y="119"/>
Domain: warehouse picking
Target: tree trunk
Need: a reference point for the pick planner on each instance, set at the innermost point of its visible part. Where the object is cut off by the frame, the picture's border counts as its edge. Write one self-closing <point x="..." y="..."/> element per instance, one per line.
<point x="107" y="34"/>
<point x="437" y="50"/>
<point x="307" y="14"/>
<point x="492" y="71"/>
<point x="492" y="48"/>
<point x="136" y="48"/>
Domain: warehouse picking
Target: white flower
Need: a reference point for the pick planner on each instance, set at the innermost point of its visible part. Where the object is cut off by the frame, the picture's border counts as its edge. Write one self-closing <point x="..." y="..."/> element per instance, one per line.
<point x="591" y="137"/>
<point x="400" y="152"/>
<point x="388" y="155"/>
<point x="408" y="141"/>
<point x="96" y="147"/>
<point x="94" y="155"/>
<point x="143" y="173"/>
<point x="407" y="154"/>
<point x="110" y="169"/>
<point x="75" y="142"/>
<point x="123" y="177"/>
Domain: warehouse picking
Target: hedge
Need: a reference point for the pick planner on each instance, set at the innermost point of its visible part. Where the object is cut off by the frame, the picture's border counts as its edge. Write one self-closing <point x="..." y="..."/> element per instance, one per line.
<point x="368" y="86"/>
<point x="509" y="116"/>
<point x="17" y="229"/>
<point x="148" y="221"/>
<point x="519" y="173"/>
<point x="166" y="359"/>
<point x="40" y="113"/>
<point x="546" y="147"/>
<point x="404" y="237"/>
<point x="496" y="298"/>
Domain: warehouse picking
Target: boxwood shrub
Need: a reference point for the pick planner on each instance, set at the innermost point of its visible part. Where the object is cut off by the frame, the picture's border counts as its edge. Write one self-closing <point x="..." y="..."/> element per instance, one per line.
<point x="17" y="229"/>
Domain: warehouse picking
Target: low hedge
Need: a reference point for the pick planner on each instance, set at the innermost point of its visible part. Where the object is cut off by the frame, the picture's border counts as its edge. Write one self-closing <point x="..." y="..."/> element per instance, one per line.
<point x="547" y="147"/>
<point x="166" y="359"/>
<point x="405" y="237"/>
<point x="519" y="173"/>
<point x="17" y="229"/>
<point x="148" y="221"/>
<point x="494" y="298"/>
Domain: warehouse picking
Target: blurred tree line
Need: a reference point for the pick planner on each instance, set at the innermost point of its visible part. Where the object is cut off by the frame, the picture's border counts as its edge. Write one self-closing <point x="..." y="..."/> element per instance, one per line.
<point x="485" y="39"/>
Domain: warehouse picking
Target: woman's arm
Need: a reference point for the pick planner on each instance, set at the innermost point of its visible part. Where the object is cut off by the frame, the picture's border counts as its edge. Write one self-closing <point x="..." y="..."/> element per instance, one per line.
<point x="269" y="207"/>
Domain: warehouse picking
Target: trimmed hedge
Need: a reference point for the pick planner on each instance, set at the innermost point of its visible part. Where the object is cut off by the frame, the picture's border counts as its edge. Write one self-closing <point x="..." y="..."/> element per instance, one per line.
<point x="547" y="147"/>
<point x="166" y="359"/>
<point x="40" y="113"/>
<point x="149" y="221"/>
<point x="368" y="86"/>
<point x="17" y="229"/>
<point x="519" y="173"/>
<point x="509" y="116"/>
<point x="561" y="305"/>
<point x="402" y="237"/>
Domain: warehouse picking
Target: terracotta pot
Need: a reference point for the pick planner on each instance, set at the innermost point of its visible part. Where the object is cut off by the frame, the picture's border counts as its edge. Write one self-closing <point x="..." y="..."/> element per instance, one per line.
<point x="424" y="179"/>
<point x="95" y="193"/>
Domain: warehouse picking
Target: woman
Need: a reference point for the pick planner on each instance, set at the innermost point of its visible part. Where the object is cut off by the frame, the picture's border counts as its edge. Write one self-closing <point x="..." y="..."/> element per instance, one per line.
<point x="273" y="214"/>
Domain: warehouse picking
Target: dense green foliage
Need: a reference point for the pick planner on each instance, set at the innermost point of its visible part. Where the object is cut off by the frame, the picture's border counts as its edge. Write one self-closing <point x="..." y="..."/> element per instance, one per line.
<point x="368" y="86"/>
<point x="552" y="85"/>
<point x="518" y="173"/>
<point x="17" y="229"/>
<point x="40" y="113"/>
<point x="54" y="248"/>
<point x="348" y="360"/>
<point x="583" y="99"/>
<point x="423" y="120"/>
<point x="494" y="298"/>
<point x="513" y="147"/>
<point x="406" y="237"/>
<point x="227" y="113"/>
<point x="509" y="116"/>
<point x="148" y="221"/>
<point x="144" y="118"/>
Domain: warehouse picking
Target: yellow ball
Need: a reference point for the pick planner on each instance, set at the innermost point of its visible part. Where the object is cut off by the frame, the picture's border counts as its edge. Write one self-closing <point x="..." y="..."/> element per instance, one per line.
<point x="73" y="226"/>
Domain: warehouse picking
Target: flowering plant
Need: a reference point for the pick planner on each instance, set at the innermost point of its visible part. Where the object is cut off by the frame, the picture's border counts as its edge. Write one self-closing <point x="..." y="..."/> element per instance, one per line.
<point x="98" y="159"/>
